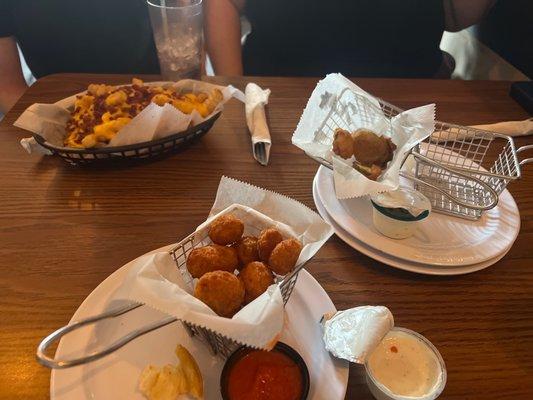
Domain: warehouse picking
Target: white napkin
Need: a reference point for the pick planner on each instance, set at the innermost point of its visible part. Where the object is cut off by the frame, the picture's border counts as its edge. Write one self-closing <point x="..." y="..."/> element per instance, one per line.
<point x="256" y="99"/>
<point x="154" y="122"/>
<point x="156" y="281"/>
<point x="510" y="128"/>
<point x="337" y="102"/>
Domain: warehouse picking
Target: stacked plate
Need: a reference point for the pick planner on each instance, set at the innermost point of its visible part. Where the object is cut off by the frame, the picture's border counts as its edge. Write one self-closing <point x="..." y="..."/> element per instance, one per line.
<point x="442" y="245"/>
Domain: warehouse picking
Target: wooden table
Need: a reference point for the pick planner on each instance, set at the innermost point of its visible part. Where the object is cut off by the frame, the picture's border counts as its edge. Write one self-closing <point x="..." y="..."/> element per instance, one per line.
<point x="65" y="229"/>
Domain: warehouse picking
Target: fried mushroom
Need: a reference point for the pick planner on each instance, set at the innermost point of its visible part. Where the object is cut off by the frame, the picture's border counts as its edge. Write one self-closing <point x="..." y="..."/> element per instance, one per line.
<point x="267" y="240"/>
<point x="226" y="229"/>
<point x="222" y="291"/>
<point x="373" y="172"/>
<point x="247" y="249"/>
<point x="256" y="278"/>
<point x="211" y="258"/>
<point x="343" y="143"/>
<point x="284" y="256"/>
<point x="370" y="149"/>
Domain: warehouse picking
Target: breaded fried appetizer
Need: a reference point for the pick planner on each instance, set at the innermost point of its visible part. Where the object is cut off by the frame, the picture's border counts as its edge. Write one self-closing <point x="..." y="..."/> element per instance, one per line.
<point x="211" y="258"/>
<point x="267" y="240"/>
<point x="222" y="291"/>
<point x="370" y="149"/>
<point x="226" y="229"/>
<point x="247" y="249"/>
<point x="284" y="256"/>
<point x="373" y="172"/>
<point x="343" y="143"/>
<point x="256" y="277"/>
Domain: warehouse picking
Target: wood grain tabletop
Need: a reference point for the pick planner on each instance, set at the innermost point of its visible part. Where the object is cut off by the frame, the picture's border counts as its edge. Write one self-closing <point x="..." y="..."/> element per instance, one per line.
<point x="64" y="229"/>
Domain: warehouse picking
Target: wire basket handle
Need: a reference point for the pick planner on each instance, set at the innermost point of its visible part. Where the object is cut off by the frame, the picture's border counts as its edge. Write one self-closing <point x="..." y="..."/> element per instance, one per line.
<point x="522" y="149"/>
<point x="286" y="286"/>
<point x="50" y="362"/>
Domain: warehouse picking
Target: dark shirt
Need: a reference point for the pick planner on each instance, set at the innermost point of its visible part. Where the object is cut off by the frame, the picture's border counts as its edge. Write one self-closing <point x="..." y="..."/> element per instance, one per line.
<point x="388" y="38"/>
<point x="508" y="30"/>
<point x="100" y="36"/>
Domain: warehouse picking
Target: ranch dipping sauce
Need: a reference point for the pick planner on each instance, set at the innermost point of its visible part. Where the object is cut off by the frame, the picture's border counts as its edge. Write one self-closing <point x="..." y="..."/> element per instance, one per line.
<point x="405" y="365"/>
<point x="400" y="364"/>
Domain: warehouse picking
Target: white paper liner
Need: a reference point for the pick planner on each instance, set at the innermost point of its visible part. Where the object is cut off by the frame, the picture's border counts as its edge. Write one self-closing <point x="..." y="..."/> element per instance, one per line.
<point x="359" y="109"/>
<point x="154" y="122"/>
<point x="156" y="282"/>
<point x="256" y="99"/>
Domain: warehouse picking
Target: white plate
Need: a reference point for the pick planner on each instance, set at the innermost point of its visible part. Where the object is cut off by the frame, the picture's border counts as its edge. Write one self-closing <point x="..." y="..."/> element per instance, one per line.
<point x="440" y="240"/>
<point x="115" y="376"/>
<point x="393" y="261"/>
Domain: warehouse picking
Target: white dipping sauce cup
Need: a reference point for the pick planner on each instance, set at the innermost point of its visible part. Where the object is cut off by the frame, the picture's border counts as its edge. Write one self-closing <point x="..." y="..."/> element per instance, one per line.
<point x="392" y="212"/>
<point x="381" y="392"/>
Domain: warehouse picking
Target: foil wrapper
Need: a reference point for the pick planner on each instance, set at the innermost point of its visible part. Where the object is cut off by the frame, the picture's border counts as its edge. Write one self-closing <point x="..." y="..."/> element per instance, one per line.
<point x="353" y="334"/>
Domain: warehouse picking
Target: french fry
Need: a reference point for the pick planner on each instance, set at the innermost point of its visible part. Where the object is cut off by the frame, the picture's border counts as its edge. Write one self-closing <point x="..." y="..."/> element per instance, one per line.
<point x="171" y="381"/>
<point x="191" y="371"/>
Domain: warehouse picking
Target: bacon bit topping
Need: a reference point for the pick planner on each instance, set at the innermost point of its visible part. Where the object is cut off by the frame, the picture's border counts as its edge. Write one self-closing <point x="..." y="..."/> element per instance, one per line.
<point x="121" y="107"/>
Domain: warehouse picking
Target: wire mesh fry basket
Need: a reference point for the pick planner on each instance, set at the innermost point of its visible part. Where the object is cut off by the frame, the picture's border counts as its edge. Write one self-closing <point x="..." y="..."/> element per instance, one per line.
<point x="451" y="166"/>
<point x="219" y="344"/>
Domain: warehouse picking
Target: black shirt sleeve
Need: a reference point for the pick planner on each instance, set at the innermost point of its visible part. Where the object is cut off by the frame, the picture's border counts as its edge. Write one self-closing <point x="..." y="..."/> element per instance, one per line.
<point x="6" y="19"/>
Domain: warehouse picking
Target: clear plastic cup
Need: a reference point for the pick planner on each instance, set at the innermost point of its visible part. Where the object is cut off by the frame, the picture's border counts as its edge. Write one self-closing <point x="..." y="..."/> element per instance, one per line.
<point x="178" y="34"/>
<point x="381" y="392"/>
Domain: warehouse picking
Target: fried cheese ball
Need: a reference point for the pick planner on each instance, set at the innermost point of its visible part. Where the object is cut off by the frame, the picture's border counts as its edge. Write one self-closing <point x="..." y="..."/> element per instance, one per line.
<point x="226" y="229"/>
<point x="343" y="143"/>
<point x="267" y="240"/>
<point x="211" y="258"/>
<point x="256" y="277"/>
<point x="369" y="148"/>
<point x="247" y="249"/>
<point x="222" y="291"/>
<point x="284" y="256"/>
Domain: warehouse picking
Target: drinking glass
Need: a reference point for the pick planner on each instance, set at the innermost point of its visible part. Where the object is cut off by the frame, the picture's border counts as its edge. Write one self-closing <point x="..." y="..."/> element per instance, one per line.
<point x="178" y="35"/>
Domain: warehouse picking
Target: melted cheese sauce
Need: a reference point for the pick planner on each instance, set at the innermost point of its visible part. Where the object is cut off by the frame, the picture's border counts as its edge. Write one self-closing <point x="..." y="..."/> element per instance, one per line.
<point x="405" y="365"/>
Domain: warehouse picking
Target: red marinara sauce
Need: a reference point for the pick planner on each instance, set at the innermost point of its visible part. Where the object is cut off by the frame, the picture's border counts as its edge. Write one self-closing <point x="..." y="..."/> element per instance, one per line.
<point x="262" y="375"/>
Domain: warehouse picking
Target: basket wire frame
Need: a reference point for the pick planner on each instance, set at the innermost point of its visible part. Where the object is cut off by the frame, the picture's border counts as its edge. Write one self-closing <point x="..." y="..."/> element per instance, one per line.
<point x="219" y="344"/>
<point x="134" y="152"/>
<point x="459" y="148"/>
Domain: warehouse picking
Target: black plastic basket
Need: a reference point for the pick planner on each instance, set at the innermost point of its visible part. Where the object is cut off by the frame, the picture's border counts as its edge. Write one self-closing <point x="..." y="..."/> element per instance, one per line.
<point x="133" y="152"/>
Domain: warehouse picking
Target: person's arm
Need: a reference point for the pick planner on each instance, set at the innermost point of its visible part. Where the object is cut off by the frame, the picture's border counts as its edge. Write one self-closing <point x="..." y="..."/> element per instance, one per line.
<point x="223" y="36"/>
<point x="460" y="14"/>
<point x="12" y="83"/>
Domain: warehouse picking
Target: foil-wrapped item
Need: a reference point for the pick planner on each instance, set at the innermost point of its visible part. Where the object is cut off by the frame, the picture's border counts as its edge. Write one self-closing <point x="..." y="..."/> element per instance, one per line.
<point x="353" y="334"/>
